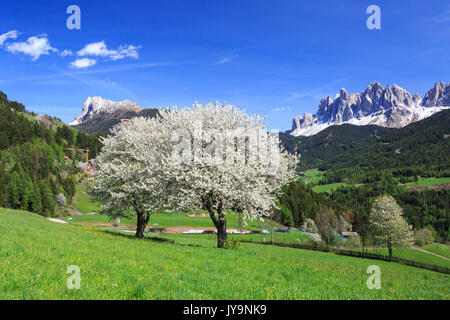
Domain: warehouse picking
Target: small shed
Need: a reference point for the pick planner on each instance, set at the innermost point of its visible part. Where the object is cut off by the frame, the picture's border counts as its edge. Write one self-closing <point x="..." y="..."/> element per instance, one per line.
<point x="283" y="229"/>
<point x="349" y="234"/>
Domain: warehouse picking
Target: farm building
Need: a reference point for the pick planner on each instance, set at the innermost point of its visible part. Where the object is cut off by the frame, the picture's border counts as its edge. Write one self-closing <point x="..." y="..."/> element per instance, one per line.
<point x="349" y="234"/>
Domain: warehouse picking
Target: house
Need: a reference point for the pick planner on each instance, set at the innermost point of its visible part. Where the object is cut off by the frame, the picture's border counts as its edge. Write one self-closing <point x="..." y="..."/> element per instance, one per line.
<point x="283" y="229"/>
<point x="349" y="234"/>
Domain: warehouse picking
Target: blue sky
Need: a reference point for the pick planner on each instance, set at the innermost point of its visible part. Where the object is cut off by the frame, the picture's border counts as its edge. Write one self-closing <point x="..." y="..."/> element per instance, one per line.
<point x="277" y="58"/>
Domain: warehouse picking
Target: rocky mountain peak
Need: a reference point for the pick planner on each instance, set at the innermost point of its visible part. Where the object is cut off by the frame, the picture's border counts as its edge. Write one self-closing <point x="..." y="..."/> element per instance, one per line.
<point x="95" y="105"/>
<point x="392" y="107"/>
<point x="343" y="94"/>
<point x="438" y="96"/>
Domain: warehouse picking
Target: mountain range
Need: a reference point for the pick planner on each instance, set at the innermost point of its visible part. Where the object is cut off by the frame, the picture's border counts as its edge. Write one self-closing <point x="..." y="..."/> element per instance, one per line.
<point x="391" y="107"/>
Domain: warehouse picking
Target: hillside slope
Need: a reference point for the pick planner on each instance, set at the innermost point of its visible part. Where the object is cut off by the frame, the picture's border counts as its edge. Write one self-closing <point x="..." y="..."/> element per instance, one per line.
<point x="34" y="165"/>
<point x="421" y="143"/>
<point x="115" y="266"/>
<point x="331" y="142"/>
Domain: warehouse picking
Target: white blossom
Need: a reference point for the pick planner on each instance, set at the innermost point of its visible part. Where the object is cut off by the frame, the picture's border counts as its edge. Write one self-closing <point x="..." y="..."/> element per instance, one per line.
<point x="184" y="157"/>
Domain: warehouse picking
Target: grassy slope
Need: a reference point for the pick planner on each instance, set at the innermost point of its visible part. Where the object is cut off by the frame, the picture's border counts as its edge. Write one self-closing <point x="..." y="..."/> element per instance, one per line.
<point x="415" y="255"/>
<point x="82" y="202"/>
<point x="313" y="176"/>
<point x="329" y="187"/>
<point x="422" y="182"/>
<point x="440" y="249"/>
<point x="35" y="255"/>
<point x="427" y="182"/>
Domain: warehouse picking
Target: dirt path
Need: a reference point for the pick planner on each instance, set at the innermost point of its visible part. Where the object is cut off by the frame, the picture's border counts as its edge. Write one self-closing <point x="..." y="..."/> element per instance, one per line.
<point x="434" y="254"/>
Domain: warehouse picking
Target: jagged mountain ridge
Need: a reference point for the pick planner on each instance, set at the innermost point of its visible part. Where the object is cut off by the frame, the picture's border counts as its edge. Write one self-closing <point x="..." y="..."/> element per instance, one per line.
<point x="391" y="107"/>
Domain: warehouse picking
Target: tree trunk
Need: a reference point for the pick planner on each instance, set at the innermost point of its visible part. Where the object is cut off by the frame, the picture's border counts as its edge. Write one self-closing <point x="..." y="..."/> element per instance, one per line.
<point x="390" y="252"/>
<point x="222" y="233"/>
<point x="142" y="221"/>
<point x="220" y="223"/>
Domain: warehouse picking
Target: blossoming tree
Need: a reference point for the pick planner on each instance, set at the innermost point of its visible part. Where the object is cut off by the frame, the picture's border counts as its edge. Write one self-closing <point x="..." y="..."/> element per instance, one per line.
<point x="130" y="172"/>
<point x="215" y="157"/>
<point x="387" y="225"/>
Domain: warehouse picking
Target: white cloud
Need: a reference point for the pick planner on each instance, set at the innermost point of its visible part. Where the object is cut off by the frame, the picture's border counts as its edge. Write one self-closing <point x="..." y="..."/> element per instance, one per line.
<point x="82" y="63"/>
<point x="95" y="49"/>
<point x="99" y="49"/>
<point x="33" y="47"/>
<point x="126" y="52"/>
<point x="281" y="109"/>
<point x="9" y="35"/>
<point x="228" y="59"/>
<point x="66" y="53"/>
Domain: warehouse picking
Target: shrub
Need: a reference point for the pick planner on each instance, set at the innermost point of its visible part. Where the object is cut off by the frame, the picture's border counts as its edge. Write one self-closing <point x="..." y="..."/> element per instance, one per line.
<point x="286" y="216"/>
<point x="423" y="237"/>
<point x="353" y="242"/>
<point x="326" y="220"/>
<point x="316" y="238"/>
<point x="309" y="226"/>
<point x="232" y="244"/>
<point x="61" y="200"/>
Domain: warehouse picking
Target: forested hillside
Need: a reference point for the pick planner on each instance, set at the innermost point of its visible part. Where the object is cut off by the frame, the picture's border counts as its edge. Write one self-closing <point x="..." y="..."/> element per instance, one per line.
<point x="299" y="202"/>
<point x="421" y="209"/>
<point x="370" y="154"/>
<point x="33" y="168"/>
<point x="423" y="143"/>
<point x="327" y="144"/>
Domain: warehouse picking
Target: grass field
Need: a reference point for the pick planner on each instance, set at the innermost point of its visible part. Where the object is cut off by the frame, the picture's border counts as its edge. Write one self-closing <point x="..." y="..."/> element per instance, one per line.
<point x="440" y="249"/>
<point x="313" y="176"/>
<point x="427" y="182"/>
<point x="36" y="253"/>
<point x="328" y="187"/>
<point x="170" y="220"/>
<point x="412" y="254"/>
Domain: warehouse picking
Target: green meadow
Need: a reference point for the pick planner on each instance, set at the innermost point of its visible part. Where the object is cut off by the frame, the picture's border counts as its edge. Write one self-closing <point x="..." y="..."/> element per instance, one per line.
<point x="440" y="249"/>
<point x="172" y="220"/>
<point x="329" y="187"/>
<point x="36" y="253"/>
<point x="313" y="176"/>
<point x="414" y="255"/>
<point x="82" y="201"/>
<point x="427" y="182"/>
